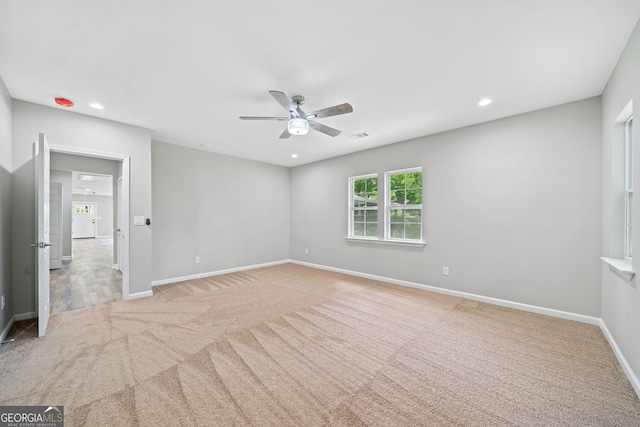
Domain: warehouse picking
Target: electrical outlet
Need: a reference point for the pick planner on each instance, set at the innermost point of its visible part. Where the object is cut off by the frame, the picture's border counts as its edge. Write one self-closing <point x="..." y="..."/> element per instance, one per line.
<point x="197" y="260"/>
<point x="445" y="271"/>
<point x="306" y="251"/>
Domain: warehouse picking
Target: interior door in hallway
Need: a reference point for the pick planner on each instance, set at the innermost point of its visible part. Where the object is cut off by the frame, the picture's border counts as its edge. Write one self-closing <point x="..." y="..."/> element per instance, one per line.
<point x="84" y="220"/>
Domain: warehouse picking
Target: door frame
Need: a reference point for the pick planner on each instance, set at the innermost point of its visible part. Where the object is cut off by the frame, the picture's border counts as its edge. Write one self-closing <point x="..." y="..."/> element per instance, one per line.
<point x="73" y="218"/>
<point x="126" y="173"/>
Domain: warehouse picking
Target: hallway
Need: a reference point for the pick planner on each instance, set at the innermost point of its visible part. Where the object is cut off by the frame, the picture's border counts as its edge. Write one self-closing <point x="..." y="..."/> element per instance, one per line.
<point x="88" y="279"/>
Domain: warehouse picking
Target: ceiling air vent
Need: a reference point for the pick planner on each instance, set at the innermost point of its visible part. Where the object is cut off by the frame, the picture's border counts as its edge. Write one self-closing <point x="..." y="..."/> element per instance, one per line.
<point x="359" y="135"/>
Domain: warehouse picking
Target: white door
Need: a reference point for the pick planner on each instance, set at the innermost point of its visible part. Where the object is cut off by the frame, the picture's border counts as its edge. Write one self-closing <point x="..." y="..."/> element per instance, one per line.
<point x="55" y="225"/>
<point x="83" y="220"/>
<point x="42" y="244"/>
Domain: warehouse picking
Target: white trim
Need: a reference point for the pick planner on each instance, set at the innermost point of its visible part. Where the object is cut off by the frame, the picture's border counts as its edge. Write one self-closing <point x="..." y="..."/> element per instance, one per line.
<point x="104" y="237"/>
<point x="218" y="272"/>
<point x="140" y="295"/>
<point x="26" y="316"/>
<point x="474" y="297"/>
<point x="633" y="378"/>
<point x="7" y="329"/>
<point x="413" y="243"/>
<point x="621" y="266"/>
<point x="67" y="258"/>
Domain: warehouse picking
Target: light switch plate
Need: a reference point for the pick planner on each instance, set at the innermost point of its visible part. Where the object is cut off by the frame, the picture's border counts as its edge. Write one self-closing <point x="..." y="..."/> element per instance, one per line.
<point x="138" y="220"/>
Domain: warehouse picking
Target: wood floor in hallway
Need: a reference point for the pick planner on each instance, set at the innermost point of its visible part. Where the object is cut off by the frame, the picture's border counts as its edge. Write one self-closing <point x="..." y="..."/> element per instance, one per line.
<point x="87" y="280"/>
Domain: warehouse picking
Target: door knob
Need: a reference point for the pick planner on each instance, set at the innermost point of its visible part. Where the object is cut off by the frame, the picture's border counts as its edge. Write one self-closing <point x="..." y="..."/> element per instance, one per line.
<point x="40" y="245"/>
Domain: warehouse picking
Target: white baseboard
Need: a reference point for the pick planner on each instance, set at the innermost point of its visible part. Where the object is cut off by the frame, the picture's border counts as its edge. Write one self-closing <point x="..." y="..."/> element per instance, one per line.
<point x="633" y="378"/>
<point x="104" y="237"/>
<point x="139" y="295"/>
<point x="16" y="318"/>
<point x="7" y="328"/>
<point x="474" y="297"/>
<point x="67" y="257"/>
<point x="26" y="316"/>
<point x="217" y="273"/>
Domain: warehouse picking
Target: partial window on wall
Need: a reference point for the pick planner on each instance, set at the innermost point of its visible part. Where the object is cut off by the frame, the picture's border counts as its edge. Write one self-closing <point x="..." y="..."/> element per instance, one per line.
<point x="628" y="187"/>
<point x="363" y="215"/>
<point x="404" y="204"/>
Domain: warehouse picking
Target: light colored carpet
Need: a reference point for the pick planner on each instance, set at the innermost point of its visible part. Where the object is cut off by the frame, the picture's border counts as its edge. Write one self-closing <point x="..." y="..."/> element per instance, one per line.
<point x="295" y="346"/>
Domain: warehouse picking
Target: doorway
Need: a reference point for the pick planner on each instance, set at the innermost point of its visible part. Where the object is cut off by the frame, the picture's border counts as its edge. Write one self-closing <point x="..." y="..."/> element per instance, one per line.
<point x="102" y="209"/>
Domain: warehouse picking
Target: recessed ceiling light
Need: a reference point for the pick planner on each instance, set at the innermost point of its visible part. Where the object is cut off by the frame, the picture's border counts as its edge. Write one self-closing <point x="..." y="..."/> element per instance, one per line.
<point x="294" y="156"/>
<point x="485" y="101"/>
<point x="96" y="106"/>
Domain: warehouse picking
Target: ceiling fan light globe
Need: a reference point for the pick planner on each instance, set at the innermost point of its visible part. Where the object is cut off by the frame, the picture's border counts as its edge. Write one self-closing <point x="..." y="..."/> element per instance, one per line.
<point x="298" y="126"/>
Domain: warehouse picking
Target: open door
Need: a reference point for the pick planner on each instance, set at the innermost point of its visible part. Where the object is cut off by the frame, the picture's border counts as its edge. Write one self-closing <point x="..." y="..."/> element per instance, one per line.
<point x="42" y="244"/>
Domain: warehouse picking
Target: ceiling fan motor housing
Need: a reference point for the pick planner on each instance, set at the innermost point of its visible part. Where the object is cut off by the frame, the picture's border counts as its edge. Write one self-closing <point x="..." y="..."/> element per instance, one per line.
<point x="297" y="100"/>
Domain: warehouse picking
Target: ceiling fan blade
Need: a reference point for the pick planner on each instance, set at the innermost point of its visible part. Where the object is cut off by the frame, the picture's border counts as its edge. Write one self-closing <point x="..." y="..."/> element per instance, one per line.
<point x="285" y="102"/>
<point x="282" y="119"/>
<point x="324" y="129"/>
<point x="285" y="134"/>
<point x="331" y="111"/>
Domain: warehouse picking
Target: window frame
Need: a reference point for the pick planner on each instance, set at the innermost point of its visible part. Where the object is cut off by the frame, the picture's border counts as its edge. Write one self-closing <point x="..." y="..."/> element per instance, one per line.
<point x="628" y="188"/>
<point x="388" y="207"/>
<point x="352" y="209"/>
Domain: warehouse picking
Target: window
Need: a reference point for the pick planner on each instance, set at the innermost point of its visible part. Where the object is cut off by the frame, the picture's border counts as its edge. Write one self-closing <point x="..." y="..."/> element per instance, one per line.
<point x="404" y="204"/>
<point x="628" y="187"/>
<point x="363" y="213"/>
<point x="399" y="219"/>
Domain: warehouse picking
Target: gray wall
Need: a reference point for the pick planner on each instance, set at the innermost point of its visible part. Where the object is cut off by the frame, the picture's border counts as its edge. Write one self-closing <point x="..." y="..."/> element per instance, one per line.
<point x="512" y="207"/>
<point x="64" y="128"/>
<point x="6" y="269"/>
<point x="621" y="298"/>
<point x="229" y="211"/>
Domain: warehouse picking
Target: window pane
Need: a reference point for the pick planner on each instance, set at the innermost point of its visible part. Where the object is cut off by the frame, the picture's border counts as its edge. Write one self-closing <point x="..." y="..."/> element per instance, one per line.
<point x="397" y="197"/>
<point x="397" y="181"/>
<point x="414" y="197"/>
<point x="396" y="231"/>
<point x="371" y="216"/>
<point x="372" y="229"/>
<point x="372" y="185"/>
<point x="358" y="229"/>
<point x="413" y="215"/>
<point x="359" y="186"/>
<point x="358" y="215"/>
<point x="414" y="180"/>
<point x="397" y="215"/>
<point x="413" y="231"/>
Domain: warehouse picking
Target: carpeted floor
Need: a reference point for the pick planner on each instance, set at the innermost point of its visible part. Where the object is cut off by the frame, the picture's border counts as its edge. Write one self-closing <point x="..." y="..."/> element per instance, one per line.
<point x="294" y="346"/>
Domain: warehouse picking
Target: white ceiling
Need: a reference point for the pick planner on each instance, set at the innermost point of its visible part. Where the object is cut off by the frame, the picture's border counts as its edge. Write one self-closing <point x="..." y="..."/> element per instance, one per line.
<point x="188" y="69"/>
<point x="91" y="183"/>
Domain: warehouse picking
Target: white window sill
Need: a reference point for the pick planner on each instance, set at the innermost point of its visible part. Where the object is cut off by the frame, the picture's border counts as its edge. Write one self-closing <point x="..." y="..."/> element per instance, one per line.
<point x="411" y="243"/>
<point x="622" y="266"/>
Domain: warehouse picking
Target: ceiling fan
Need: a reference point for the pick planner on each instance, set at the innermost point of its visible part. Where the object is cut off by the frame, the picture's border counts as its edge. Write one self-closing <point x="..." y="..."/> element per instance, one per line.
<point x="299" y="122"/>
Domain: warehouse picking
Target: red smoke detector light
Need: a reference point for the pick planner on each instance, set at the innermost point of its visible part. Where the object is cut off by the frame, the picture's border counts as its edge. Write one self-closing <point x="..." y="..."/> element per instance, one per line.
<point x="64" y="102"/>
